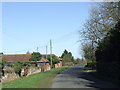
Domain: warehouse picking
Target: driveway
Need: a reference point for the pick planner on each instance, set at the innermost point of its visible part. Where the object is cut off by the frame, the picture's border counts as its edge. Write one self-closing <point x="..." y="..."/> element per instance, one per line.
<point x="75" y="77"/>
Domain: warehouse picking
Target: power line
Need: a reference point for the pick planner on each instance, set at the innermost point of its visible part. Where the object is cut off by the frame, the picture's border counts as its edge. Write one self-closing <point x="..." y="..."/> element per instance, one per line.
<point x="25" y="49"/>
<point x="65" y="37"/>
<point x="19" y="50"/>
<point x="57" y="40"/>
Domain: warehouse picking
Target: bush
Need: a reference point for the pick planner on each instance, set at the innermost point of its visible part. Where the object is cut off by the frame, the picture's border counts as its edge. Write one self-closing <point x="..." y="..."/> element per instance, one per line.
<point x="54" y="60"/>
<point x="91" y="64"/>
<point x="17" y="67"/>
<point x="8" y="70"/>
<point x="108" y="54"/>
<point x="2" y="65"/>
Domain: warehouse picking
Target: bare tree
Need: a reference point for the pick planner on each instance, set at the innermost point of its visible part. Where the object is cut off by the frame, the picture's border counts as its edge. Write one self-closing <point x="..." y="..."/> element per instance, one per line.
<point x="102" y="18"/>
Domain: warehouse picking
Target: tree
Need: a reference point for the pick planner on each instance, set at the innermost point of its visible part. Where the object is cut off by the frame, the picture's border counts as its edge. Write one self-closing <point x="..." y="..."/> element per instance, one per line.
<point x="67" y="56"/>
<point x="27" y="52"/>
<point x="64" y="53"/>
<point x="102" y="18"/>
<point x="107" y="54"/>
<point x="89" y="55"/>
<point x="36" y="56"/>
<point x="1" y="53"/>
<point x="78" y="60"/>
<point x="89" y="52"/>
<point x="54" y="59"/>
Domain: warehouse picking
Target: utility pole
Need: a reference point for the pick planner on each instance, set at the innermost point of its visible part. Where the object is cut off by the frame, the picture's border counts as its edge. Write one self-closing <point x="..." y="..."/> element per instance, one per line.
<point x="46" y="51"/>
<point x="37" y="49"/>
<point x="51" y="52"/>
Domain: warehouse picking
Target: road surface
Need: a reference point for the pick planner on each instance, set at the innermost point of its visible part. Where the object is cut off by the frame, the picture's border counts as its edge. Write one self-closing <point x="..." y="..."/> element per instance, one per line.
<point x="75" y="77"/>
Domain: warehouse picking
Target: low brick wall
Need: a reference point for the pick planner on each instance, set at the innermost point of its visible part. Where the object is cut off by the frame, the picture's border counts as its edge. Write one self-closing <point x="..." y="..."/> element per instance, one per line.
<point x="45" y="68"/>
<point x="9" y="77"/>
<point x="30" y="70"/>
<point x="9" y="74"/>
<point x="57" y="65"/>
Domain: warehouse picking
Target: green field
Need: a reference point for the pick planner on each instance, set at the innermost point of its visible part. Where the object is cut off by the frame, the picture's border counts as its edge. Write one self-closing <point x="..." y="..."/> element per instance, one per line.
<point x="39" y="80"/>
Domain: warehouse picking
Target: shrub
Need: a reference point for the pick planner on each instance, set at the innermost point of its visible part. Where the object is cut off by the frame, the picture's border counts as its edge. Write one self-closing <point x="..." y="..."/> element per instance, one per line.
<point x="8" y="70"/>
<point x="17" y="67"/>
<point x="54" y="60"/>
<point x="91" y="64"/>
<point x="2" y="65"/>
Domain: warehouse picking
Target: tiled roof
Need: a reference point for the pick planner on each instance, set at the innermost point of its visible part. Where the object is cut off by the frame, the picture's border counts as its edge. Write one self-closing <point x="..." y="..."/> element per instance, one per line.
<point x="43" y="60"/>
<point x="16" y="57"/>
<point x="23" y="58"/>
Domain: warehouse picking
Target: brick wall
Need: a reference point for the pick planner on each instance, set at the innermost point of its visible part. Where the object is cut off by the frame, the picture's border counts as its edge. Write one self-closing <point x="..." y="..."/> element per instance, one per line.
<point x="9" y="74"/>
<point x="58" y="65"/>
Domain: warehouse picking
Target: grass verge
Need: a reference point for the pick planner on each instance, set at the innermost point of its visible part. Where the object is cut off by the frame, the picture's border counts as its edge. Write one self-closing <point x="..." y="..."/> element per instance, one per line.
<point x="39" y="80"/>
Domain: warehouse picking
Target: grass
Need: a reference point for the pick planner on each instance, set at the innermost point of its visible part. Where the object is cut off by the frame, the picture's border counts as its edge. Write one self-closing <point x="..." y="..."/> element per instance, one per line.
<point x="39" y="80"/>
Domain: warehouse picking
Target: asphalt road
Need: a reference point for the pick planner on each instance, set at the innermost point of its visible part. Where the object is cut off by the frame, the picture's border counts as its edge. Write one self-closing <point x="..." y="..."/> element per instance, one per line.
<point x="75" y="77"/>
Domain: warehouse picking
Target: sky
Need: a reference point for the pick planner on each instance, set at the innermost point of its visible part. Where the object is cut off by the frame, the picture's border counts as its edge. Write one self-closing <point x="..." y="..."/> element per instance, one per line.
<point x="28" y="25"/>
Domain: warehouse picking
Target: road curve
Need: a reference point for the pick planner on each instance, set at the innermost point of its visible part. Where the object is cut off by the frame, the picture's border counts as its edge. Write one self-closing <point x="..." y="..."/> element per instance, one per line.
<point x="75" y="77"/>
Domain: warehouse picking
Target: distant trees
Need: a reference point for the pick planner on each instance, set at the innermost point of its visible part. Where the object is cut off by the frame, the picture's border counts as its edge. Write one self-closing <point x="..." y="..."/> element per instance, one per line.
<point x="1" y="53"/>
<point x="36" y="56"/>
<point x="80" y="61"/>
<point x="67" y="57"/>
<point x="27" y="52"/>
<point x="88" y="51"/>
<point x="89" y="55"/>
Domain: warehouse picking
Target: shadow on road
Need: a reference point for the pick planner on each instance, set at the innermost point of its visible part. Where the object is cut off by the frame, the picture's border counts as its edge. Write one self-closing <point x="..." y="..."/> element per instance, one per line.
<point x="95" y="82"/>
<point x="75" y="77"/>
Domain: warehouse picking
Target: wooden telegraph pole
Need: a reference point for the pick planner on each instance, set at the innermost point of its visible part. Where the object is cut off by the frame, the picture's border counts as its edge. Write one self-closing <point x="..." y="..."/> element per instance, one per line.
<point x="37" y="49"/>
<point x="46" y="51"/>
<point x="51" y="52"/>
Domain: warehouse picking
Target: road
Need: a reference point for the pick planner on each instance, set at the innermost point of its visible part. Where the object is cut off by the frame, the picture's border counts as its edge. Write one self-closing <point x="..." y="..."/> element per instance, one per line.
<point x="75" y="77"/>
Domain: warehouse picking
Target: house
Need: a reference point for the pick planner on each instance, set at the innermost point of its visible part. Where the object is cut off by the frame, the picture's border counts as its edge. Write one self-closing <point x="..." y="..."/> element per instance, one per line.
<point x="11" y="58"/>
<point x="43" y="65"/>
<point x="41" y="62"/>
